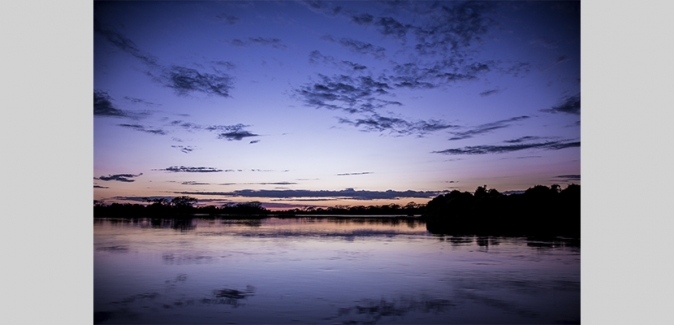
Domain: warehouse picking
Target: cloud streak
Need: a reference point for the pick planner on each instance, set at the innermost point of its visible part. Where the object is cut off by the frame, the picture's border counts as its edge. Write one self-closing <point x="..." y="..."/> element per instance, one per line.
<point x="183" y="169"/>
<point x="395" y="125"/>
<point x="266" y="41"/>
<point x="352" y="174"/>
<point x="119" y="177"/>
<point x="487" y="149"/>
<point x="570" y="105"/>
<point x="183" y="80"/>
<point x="346" y="93"/>
<point x="348" y="193"/>
<point x="141" y="128"/>
<point x="568" y="177"/>
<point x="486" y="128"/>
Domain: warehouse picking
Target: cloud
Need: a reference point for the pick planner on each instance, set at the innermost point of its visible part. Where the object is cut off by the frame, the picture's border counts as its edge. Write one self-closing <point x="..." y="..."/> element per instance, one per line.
<point x="236" y="135"/>
<point x="486" y="128"/>
<point x="103" y="105"/>
<point x="273" y="183"/>
<point x="518" y="69"/>
<point x="569" y="177"/>
<point x="194" y="183"/>
<point x="523" y="139"/>
<point x="454" y="28"/>
<point x="141" y="198"/>
<point x="351" y="174"/>
<point x="228" y="132"/>
<point x="348" y="193"/>
<point x="182" y="79"/>
<point x="141" y="128"/>
<point x="140" y="101"/>
<point x="390" y="27"/>
<point x="266" y="41"/>
<point x="124" y="44"/>
<point x="489" y="92"/>
<point x="359" y="47"/>
<point x="254" y="141"/>
<point x="118" y="177"/>
<point x="343" y="92"/>
<point x="429" y="75"/>
<point x="317" y="57"/>
<point x="322" y="7"/>
<point x="486" y="149"/>
<point x="183" y="169"/>
<point x="98" y="186"/>
<point x="186" y="80"/>
<point x="570" y="105"/>
<point x="185" y="149"/>
<point x="228" y="19"/>
<point x="235" y="127"/>
<point x="226" y="64"/>
<point x="561" y="59"/>
<point x="394" y="125"/>
<point x="362" y="19"/>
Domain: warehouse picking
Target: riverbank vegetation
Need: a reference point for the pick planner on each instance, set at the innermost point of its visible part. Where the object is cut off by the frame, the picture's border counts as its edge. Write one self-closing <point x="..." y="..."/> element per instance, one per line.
<point x="539" y="210"/>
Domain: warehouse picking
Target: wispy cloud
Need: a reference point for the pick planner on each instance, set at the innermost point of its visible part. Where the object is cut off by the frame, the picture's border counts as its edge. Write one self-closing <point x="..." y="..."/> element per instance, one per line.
<point x="487" y="149"/>
<point x="227" y="132"/>
<point x="568" y="177"/>
<point x="362" y="19"/>
<point x="524" y="139"/>
<point x="119" y="177"/>
<point x="183" y="169"/>
<point x="140" y="101"/>
<point x="183" y="80"/>
<point x="194" y="183"/>
<point x="391" y="27"/>
<point x="186" y="80"/>
<point x="454" y="27"/>
<point x="395" y="125"/>
<point x="489" y="92"/>
<point x="351" y="174"/>
<point x="266" y="41"/>
<point x="486" y="128"/>
<point x="185" y="149"/>
<point x="346" y="93"/>
<point x="236" y="135"/>
<point x="317" y="57"/>
<point x="103" y="106"/>
<point x="254" y="141"/>
<point x="570" y="105"/>
<point x="348" y="193"/>
<point x="124" y="44"/>
<point x="141" y="128"/>
<point x="227" y="19"/>
<point x="359" y="47"/>
<point x="519" y="69"/>
<point x="98" y="186"/>
<point x="561" y="58"/>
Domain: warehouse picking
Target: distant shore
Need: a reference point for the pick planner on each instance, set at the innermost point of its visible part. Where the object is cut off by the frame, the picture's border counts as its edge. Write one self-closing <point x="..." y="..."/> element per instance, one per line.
<point x="540" y="210"/>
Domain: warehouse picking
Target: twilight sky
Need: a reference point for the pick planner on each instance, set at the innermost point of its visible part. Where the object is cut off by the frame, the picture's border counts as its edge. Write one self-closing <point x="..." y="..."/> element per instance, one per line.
<point x="295" y="103"/>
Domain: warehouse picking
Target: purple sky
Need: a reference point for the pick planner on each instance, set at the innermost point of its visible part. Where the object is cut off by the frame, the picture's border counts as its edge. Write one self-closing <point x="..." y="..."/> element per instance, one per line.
<point x="323" y="103"/>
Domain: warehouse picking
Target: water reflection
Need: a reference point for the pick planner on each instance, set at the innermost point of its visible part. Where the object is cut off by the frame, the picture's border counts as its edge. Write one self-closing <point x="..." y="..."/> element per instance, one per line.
<point x="327" y="270"/>
<point x="369" y="311"/>
<point x="231" y="296"/>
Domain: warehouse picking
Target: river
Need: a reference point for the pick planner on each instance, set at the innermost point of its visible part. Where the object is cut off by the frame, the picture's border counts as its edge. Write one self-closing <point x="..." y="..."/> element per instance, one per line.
<point x="327" y="271"/>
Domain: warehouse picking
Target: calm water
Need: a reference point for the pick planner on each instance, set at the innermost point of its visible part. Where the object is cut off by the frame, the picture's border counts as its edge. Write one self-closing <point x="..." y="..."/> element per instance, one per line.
<point x="336" y="271"/>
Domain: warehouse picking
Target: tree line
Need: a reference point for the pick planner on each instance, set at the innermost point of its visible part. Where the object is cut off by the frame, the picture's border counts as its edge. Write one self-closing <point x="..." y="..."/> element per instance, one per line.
<point x="539" y="210"/>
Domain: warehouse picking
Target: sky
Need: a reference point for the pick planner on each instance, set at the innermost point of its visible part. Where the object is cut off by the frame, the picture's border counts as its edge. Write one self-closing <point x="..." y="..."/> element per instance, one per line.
<point x="313" y="103"/>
